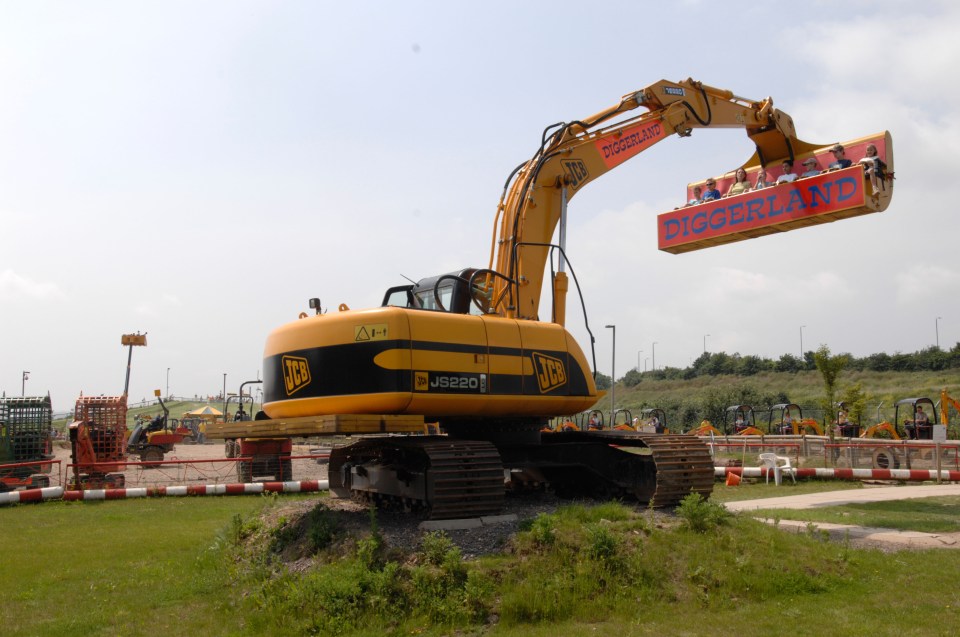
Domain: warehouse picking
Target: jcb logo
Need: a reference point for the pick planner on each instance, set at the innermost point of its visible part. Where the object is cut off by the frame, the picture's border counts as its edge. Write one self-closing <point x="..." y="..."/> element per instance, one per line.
<point x="575" y="172"/>
<point x="550" y="372"/>
<point x="421" y="381"/>
<point x="296" y="373"/>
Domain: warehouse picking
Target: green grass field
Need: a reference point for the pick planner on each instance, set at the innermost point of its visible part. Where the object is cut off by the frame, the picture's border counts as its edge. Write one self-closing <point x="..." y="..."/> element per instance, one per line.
<point x="177" y="566"/>
<point x="126" y="567"/>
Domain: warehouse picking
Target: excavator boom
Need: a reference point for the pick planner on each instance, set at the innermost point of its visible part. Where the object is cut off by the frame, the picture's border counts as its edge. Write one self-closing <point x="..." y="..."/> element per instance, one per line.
<point x="580" y="151"/>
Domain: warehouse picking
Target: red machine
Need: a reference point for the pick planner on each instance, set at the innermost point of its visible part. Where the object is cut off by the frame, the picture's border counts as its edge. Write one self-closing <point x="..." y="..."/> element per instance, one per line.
<point x="98" y="442"/>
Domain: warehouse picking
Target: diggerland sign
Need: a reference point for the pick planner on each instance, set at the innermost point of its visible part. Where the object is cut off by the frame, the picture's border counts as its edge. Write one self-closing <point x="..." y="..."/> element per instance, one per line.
<point x="618" y="148"/>
<point x="762" y="211"/>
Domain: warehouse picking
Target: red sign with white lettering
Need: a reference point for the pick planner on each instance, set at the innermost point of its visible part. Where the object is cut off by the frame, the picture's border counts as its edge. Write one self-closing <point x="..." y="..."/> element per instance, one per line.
<point x="783" y="207"/>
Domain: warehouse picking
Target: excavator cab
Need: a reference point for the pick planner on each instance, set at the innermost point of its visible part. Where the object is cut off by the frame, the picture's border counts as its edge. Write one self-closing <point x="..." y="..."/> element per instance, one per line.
<point x="738" y="419"/>
<point x="655" y="418"/>
<point x="918" y="415"/>
<point x="784" y="419"/>
<point x="594" y="420"/>
<point x="459" y="292"/>
<point x="623" y="420"/>
<point x="846" y="427"/>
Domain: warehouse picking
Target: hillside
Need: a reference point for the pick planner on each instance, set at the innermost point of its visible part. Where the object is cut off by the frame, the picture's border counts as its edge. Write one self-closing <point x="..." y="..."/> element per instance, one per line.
<point x="689" y="401"/>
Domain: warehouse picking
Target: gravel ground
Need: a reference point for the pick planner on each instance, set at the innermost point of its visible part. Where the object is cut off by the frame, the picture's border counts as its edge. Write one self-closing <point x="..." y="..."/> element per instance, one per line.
<point x="402" y="530"/>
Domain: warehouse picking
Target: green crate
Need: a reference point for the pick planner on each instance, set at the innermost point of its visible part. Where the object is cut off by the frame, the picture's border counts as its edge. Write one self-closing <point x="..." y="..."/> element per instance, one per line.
<point x="25" y="429"/>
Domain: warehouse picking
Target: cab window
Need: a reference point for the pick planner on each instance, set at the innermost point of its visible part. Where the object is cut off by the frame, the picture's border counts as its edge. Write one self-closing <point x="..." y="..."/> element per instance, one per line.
<point x="428" y="301"/>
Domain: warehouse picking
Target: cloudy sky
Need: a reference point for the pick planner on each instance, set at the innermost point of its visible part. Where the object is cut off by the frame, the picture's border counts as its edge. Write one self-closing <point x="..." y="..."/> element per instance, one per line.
<point x="199" y="170"/>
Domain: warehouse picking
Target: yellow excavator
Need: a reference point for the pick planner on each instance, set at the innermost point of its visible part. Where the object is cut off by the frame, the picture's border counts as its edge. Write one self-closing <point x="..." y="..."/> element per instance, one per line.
<point x="474" y="351"/>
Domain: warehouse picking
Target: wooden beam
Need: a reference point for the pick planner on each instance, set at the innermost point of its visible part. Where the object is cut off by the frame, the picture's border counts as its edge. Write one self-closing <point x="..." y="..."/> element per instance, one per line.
<point x="329" y="425"/>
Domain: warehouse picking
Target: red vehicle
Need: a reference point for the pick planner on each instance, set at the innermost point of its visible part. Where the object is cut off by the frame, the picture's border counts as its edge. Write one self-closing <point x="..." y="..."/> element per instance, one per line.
<point x="98" y="442"/>
<point x="259" y="457"/>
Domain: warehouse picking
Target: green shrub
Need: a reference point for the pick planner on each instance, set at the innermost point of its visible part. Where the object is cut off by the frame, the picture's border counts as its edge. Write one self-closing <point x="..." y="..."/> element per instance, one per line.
<point x="371" y="548"/>
<point x="701" y="515"/>
<point x="603" y="545"/>
<point x="434" y="547"/>
<point x="322" y="529"/>
<point x="543" y="531"/>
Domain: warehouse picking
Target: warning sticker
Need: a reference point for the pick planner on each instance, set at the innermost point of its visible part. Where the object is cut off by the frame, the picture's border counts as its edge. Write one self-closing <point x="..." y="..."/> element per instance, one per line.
<point x="376" y="332"/>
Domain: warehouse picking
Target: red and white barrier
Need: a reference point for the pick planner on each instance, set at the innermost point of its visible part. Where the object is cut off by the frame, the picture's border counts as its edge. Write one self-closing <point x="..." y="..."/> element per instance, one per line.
<point x="31" y="495"/>
<point x="912" y="475"/>
<point x="295" y="486"/>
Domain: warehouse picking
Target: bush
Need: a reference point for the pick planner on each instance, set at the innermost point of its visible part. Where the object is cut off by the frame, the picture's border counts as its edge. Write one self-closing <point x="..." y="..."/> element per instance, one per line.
<point x="603" y="544"/>
<point x="434" y="547"/>
<point x="701" y="515"/>
<point x="543" y="531"/>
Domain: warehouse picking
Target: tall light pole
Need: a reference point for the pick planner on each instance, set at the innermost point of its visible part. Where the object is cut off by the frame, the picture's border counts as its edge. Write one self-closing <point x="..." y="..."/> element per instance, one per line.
<point x="23" y="384"/>
<point x="639" y="351"/>
<point x="613" y="376"/>
<point x="224" y="389"/>
<point x="705" y="343"/>
<point x="653" y="349"/>
<point x="801" y="341"/>
<point x="168" y="383"/>
<point x="645" y="363"/>
<point x="131" y="341"/>
<point x="936" y="325"/>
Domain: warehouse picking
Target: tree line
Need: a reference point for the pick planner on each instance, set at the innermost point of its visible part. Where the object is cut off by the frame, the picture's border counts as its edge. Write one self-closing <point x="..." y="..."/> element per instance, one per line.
<point x="720" y="363"/>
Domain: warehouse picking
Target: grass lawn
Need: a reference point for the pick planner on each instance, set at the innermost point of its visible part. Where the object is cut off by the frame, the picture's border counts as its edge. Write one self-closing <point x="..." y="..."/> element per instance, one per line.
<point x="748" y="490"/>
<point x="175" y="566"/>
<point x="125" y="567"/>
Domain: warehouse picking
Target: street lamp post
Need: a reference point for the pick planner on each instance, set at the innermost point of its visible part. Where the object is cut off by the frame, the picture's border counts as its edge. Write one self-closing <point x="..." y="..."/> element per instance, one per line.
<point x="936" y="325"/>
<point x="23" y="384"/>
<point x="639" y="351"/>
<point x="645" y="363"/>
<point x="613" y="376"/>
<point x="705" y="343"/>
<point x="801" y="341"/>
<point x="168" y="383"/>
<point x="653" y="349"/>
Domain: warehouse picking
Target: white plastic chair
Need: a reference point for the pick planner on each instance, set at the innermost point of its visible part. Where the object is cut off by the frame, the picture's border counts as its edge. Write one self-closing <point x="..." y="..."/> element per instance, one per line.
<point x="778" y="465"/>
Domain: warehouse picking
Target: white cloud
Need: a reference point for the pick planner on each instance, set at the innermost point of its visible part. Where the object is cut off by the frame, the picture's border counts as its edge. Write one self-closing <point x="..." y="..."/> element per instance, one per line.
<point x="924" y="283"/>
<point x="15" y="286"/>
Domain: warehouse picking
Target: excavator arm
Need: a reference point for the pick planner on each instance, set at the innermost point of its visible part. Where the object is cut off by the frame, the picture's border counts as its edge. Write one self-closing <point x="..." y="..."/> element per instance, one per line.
<point x="573" y="154"/>
<point x="946" y="401"/>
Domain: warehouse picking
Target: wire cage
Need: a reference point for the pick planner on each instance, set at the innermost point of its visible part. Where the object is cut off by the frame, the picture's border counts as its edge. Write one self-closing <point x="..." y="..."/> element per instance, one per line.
<point x="106" y="420"/>
<point x="25" y="436"/>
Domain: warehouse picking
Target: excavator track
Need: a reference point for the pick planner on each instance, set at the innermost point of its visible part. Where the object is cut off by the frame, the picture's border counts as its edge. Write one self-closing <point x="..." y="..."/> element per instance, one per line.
<point x="448" y="478"/>
<point x="684" y="466"/>
<point x="444" y="477"/>
<point x="653" y="468"/>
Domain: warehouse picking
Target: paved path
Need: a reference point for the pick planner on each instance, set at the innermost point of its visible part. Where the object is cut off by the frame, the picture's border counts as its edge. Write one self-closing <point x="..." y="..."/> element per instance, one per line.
<point x="893" y="537"/>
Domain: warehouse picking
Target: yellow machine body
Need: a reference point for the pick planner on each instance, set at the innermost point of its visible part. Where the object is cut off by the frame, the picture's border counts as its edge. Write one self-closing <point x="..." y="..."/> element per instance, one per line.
<point x="392" y="360"/>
